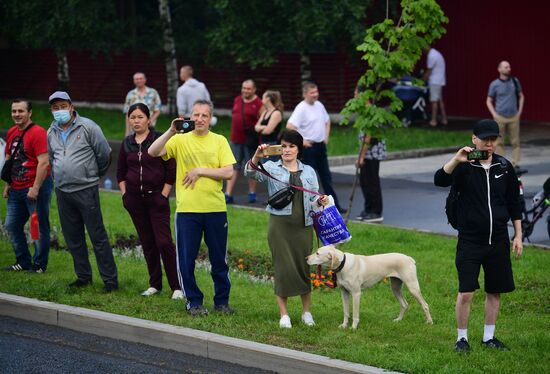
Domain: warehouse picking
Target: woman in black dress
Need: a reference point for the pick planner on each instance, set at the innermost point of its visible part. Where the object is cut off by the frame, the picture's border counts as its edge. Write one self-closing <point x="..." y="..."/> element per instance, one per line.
<point x="271" y="118"/>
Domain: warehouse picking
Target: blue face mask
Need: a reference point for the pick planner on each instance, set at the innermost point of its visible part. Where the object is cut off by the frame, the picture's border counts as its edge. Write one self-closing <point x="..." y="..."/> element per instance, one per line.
<point x="62" y="116"/>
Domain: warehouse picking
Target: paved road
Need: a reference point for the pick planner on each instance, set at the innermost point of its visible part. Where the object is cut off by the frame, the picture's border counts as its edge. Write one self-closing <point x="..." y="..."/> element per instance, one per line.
<point x="28" y="347"/>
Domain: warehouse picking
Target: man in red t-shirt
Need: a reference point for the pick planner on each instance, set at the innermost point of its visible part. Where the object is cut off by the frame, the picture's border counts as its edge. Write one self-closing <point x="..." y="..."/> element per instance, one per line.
<point x="244" y="139"/>
<point x="30" y="188"/>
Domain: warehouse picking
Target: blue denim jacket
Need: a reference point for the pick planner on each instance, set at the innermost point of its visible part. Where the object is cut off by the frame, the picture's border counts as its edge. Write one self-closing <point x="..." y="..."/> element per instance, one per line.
<point x="276" y="169"/>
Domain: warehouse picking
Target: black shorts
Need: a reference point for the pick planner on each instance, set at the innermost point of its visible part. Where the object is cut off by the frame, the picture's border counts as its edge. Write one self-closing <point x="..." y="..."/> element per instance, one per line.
<point x="494" y="258"/>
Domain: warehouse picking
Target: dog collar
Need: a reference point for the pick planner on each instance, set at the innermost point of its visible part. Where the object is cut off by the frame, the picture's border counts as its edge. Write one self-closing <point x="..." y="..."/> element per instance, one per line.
<point x="341" y="266"/>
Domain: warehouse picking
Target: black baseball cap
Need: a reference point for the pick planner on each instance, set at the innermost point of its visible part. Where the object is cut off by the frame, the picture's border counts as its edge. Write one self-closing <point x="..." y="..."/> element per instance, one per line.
<point x="486" y="128"/>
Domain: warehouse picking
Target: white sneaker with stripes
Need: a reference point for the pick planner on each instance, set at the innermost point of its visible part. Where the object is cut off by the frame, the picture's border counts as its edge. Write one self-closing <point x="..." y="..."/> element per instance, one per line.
<point x="14" y="267"/>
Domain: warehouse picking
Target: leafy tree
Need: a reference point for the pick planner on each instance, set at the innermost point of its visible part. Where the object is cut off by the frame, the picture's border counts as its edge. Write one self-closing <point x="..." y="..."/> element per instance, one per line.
<point x="253" y="33"/>
<point x="391" y="50"/>
<point x="61" y="25"/>
<point x="191" y="20"/>
<point x="173" y="29"/>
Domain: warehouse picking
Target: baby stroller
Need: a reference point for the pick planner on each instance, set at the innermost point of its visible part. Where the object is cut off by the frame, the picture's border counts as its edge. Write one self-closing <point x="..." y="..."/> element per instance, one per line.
<point x="414" y="100"/>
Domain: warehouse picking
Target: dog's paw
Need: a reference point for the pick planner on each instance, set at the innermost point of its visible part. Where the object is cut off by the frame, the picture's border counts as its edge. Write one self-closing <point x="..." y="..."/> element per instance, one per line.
<point x="343" y="326"/>
<point x="398" y="319"/>
<point x="430" y="322"/>
<point x="354" y="326"/>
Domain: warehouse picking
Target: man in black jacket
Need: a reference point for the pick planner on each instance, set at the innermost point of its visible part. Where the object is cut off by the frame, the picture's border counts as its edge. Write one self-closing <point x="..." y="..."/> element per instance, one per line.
<point x="488" y="199"/>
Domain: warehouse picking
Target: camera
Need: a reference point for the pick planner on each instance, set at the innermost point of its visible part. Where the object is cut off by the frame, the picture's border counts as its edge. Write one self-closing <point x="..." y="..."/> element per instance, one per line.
<point x="478" y="154"/>
<point x="184" y="125"/>
<point x="273" y="150"/>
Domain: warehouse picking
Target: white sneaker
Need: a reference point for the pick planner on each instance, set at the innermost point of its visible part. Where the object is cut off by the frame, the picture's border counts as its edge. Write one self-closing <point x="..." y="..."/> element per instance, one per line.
<point x="307" y="318"/>
<point x="150" y="291"/>
<point x="284" y="323"/>
<point x="177" y="295"/>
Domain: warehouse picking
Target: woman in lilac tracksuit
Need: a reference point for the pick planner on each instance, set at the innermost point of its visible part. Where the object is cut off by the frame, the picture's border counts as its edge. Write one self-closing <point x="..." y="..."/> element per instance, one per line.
<point x="145" y="183"/>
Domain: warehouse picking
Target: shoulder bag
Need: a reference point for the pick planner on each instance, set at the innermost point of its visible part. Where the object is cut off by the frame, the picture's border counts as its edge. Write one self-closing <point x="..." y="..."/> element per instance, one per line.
<point x="8" y="165"/>
<point x="283" y="197"/>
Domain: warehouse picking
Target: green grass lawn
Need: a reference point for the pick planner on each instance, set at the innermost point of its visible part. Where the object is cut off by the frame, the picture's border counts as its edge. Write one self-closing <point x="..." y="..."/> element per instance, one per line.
<point x="343" y="139"/>
<point x="409" y="346"/>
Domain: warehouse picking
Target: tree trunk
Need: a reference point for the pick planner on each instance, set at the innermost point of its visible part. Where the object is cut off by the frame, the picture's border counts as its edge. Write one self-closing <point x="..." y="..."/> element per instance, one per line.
<point x="305" y="67"/>
<point x="169" y="55"/>
<point x="62" y="70"/>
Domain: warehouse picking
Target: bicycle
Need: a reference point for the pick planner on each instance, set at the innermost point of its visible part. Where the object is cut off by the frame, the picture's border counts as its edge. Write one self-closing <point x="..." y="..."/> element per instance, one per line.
<point x="540" y="203"/>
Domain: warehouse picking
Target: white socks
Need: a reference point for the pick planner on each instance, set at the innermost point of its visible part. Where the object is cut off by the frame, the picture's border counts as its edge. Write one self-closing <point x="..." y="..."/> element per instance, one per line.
<point x="462" y="333"/>
<point x="488" y="332"/>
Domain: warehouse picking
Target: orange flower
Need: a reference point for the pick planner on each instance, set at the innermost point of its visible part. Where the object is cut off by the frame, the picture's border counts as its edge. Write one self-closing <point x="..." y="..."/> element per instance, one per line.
<point x="241" y="260"/>
<point x="312" y="275"/>
<point x="241" y="266"/>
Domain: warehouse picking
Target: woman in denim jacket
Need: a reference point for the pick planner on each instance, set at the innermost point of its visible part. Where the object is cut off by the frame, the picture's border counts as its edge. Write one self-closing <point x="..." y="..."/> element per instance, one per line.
<point x="290" y="232"/>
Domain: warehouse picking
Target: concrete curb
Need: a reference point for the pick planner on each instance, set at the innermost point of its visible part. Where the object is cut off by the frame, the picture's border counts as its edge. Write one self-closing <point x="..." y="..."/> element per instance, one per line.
<point x="180" y="339"/>
<point x="399" y="155"/>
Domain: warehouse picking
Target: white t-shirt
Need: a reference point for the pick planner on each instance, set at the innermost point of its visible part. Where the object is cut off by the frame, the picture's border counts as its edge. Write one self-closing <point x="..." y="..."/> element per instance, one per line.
<point x="2" y="153"/>
<point x="310" y="120"/>
<point x="189" y="92"/>
<point x="436" y="62"/>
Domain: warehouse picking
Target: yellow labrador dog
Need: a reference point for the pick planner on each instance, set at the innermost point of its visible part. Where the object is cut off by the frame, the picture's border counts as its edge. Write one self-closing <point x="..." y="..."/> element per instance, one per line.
<point x="355" y="272"/>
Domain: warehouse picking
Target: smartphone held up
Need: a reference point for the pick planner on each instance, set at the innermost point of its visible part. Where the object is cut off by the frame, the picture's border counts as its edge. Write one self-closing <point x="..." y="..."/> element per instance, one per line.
<point x="273" y="150"/>
<point x="478" y="154"/>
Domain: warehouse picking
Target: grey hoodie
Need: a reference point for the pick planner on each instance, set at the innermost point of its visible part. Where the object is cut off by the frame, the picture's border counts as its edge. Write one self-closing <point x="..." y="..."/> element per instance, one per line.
<point x="78" y="163"/>
<point x="189" y="92"/>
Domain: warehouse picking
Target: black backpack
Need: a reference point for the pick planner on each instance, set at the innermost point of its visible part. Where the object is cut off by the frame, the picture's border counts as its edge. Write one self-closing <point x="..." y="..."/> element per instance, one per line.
<point x="451" y="207"/>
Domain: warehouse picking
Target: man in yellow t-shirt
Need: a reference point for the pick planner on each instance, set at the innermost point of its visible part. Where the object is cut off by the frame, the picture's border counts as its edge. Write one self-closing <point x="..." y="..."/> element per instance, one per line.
<point x="204" y="160"/>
